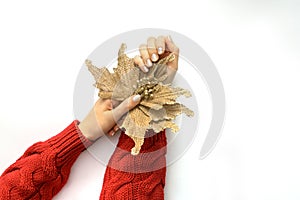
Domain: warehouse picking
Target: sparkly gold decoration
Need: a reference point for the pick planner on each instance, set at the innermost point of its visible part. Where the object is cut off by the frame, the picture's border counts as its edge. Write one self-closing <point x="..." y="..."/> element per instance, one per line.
<point x="158" y="107"/>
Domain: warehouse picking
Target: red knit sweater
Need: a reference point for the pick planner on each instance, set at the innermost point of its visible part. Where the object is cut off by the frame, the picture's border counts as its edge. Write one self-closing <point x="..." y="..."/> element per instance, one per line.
<point x="45" y="167"/>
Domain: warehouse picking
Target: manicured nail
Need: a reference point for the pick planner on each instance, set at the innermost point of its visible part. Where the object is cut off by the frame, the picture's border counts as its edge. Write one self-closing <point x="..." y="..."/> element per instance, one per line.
<point x="145" y="69"/>
<point x="149" y="63"/>
<point x="116" y="129"/>
<point x="159" y="50"/>
<point x="136" y="98"/>
<point x="111" y="133"/>
<point x="154" y="57"/>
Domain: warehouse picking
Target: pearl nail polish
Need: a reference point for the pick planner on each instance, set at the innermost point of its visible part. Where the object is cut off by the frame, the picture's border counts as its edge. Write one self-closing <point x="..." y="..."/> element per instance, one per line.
<point x="145" y="69"/>
<point x="154" y="57"/>
<point x="149" y="63"/>
<point x="136" y="98"/>
<point x="159" y="50"/>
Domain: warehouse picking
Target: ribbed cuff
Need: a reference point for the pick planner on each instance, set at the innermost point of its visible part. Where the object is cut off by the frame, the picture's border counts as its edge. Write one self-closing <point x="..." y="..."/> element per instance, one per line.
<point x="151" y="157"/>
<point x="69" y="143"/>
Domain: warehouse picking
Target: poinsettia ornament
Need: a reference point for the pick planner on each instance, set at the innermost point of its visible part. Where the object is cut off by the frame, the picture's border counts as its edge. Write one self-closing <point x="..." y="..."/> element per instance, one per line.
<point x="157" y="108"/>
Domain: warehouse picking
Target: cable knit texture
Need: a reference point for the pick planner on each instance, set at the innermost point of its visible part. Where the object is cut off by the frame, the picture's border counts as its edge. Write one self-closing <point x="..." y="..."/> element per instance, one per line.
<point x="44" y="168"/>
<point x="140" y="177"/>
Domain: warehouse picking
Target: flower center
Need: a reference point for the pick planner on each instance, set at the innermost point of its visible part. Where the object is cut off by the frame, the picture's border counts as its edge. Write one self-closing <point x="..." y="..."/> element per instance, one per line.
<point x="146" y="91"/>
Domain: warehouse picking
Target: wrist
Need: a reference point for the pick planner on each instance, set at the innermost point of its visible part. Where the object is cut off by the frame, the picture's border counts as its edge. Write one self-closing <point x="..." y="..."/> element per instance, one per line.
<point x="90" y="128"/>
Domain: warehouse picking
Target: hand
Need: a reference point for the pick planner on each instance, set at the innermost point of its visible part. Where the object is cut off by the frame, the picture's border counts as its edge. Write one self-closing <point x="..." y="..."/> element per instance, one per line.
<point x="154" y="50"/>
<point x="104" y="115"/>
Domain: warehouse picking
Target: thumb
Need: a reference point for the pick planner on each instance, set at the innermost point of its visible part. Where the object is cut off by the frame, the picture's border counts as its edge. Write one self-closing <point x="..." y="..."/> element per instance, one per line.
<point x="125" y="106"/>
<point x="171" y="46"/>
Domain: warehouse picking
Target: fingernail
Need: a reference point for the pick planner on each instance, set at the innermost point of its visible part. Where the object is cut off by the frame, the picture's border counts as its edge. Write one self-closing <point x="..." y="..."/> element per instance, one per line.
<point x="116" y="129"/>
<point x="169" y="38"/>
<point x="111" y="133"/>
<point x="145" y="69"/>
<point x="159" y="50"/>
<point x="154" y="57"/>
<point x="136" y="98"/>
<point x="149" y="63"/>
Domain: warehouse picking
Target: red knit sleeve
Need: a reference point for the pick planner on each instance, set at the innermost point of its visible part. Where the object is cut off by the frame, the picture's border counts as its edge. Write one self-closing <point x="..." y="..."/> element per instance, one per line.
<point x="139" y="177"/>
<point x="44" y="168"/>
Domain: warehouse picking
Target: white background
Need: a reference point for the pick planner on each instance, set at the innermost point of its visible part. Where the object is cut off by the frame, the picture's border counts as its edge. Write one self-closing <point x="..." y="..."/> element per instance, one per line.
<point x="254" y="44"/>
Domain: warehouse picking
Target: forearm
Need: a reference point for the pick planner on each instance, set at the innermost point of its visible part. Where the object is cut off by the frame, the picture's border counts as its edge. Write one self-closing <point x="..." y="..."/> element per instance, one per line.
<point x="136" y="177"/>
<point x="45" y="166"/>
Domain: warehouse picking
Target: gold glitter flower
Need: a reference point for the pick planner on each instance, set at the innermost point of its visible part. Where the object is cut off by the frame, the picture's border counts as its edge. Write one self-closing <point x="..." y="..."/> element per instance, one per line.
<point x="158" y="107"/>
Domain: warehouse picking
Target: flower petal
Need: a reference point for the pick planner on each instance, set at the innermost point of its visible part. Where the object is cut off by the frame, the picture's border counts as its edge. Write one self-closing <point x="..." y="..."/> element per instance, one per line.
<point x="158" y="126"/>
